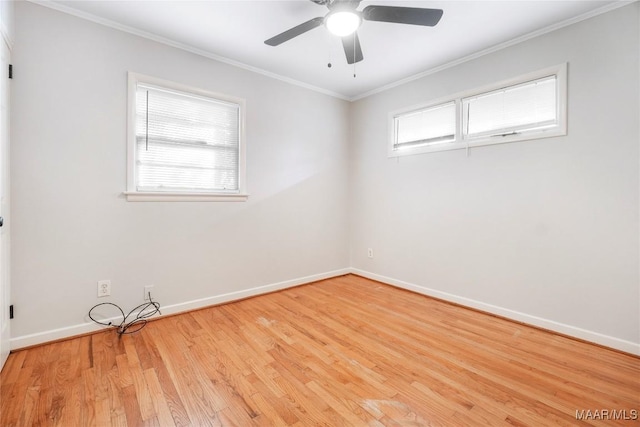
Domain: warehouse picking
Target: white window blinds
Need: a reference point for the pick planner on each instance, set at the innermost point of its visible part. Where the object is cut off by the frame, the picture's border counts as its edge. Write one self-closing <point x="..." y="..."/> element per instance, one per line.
<point x="514" y="109"/>
<point x="434" y="125"/>
<point x="185" y="142"/>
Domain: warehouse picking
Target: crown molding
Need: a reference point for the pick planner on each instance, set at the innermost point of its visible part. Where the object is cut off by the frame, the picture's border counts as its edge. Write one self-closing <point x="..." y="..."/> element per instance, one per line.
<point x="607" y="8"/>
<point x="172" y="43"/>
<point x="169" y="42"/>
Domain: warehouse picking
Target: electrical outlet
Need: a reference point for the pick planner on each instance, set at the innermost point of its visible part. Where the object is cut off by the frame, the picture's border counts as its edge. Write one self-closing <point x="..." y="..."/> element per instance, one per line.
<point x="370" y="253"/>
<point x="147" y="290"/>
<point x="104" y="288"/>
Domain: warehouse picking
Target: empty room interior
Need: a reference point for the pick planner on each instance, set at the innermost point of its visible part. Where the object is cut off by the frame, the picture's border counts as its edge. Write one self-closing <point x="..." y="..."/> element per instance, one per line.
<point x="242" y="213"/>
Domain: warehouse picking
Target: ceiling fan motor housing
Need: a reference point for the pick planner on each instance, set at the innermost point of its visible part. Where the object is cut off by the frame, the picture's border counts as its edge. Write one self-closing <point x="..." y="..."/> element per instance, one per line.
<point x="351" y="4"/>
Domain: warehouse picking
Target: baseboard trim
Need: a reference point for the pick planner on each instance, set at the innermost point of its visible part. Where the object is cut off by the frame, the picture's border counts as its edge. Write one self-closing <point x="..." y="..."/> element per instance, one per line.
<point x="560" y="328"/>
<point x="30" y="340"/>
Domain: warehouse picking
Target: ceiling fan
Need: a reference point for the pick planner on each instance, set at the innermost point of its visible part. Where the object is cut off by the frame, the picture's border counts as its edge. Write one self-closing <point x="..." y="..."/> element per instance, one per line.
<point x="343" y="20"/>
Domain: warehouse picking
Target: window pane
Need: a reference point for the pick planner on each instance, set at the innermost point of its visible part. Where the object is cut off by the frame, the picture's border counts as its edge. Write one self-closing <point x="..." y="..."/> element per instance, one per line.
<point x="429" y="126"/>
<point x="185" y="142"/>
<point x="528" y="106"/>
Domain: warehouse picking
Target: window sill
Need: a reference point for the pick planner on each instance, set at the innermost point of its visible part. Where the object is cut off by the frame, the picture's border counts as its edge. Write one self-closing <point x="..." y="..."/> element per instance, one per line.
<point x="136" y="196"/>
<point x="479" y="142"/>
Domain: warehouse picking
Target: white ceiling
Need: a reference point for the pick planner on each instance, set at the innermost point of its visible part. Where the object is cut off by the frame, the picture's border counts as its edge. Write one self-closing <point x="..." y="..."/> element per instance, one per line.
<point x="234" y="31"/>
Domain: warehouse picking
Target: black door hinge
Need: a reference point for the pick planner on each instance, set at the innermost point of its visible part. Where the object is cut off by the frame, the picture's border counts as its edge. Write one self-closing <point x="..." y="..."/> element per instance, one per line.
<point x="10" y="71"/>
<point x="11" y="311"/>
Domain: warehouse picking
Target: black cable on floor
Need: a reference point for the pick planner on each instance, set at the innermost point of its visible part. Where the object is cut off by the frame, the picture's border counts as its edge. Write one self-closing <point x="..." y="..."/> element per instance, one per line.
<point x="141" y="313"/>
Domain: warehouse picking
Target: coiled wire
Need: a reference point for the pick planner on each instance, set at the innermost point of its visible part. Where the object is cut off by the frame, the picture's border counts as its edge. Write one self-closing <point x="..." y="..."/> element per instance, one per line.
<point x="141" y="313"/>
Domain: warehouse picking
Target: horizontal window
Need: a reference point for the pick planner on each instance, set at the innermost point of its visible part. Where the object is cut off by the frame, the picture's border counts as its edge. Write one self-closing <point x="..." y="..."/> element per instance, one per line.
<point x="434" y="125"/>
<point x="527" y="107"/>
<point x="183" y="141"/>
<point x="518" y="108"/>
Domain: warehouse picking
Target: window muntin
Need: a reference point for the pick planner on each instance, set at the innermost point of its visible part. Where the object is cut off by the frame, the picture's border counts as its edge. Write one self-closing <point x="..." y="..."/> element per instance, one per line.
<point x="433" y="125"/>
<point x="183" y="142"/>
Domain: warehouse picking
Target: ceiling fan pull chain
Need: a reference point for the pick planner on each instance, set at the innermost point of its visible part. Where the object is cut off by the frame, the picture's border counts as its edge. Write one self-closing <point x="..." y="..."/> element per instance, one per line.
<point x="354" y="55"/>
<point x="329" y="65"/>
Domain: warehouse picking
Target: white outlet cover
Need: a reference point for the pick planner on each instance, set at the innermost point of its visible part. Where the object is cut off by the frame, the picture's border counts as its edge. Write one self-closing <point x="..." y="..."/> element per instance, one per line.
<point x="104" y="288"/>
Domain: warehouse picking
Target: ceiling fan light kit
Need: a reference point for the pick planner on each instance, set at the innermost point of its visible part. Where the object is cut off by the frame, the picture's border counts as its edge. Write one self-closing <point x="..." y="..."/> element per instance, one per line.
<point x="343" y="20"/>
<point x="342" y="23"/>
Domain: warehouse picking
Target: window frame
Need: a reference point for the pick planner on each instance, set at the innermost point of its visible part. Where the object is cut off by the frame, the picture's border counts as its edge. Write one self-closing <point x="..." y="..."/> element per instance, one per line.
<point x="461" y="141"/>
<point x="417" y="144"/>
<point x="132" y="194"/>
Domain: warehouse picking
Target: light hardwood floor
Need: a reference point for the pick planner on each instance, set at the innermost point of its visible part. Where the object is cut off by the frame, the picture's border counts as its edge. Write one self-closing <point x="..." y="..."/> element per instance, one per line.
<point x="341" y="352"/>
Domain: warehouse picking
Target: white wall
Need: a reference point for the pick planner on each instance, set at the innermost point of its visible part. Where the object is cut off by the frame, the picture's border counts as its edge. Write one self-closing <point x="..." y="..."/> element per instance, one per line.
<point x="543" y="231"/>
<point x="6" y="21"/>
<point x="72" y="226"/>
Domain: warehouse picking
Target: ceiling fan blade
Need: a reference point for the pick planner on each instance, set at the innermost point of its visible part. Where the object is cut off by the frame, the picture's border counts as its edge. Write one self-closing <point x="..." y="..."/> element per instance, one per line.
<point x="352" y="49"/>
<point x="295" y="31"/>
<point x="402" y="15"/>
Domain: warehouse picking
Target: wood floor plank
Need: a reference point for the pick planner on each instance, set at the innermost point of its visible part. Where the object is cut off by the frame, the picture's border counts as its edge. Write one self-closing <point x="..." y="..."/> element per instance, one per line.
<point x="192" y="393"/>
<point x="301" y="401"/>
<point x="28" y="409"/>
<point x="103" y="413"/>
<point x="345" y="351"/>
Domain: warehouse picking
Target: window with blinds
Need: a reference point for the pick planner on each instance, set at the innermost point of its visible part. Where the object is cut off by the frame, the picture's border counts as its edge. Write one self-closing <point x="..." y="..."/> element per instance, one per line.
<point x="525" y="107"/>
<point x="429" y="126"/>
<point x="185" y="141"/>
